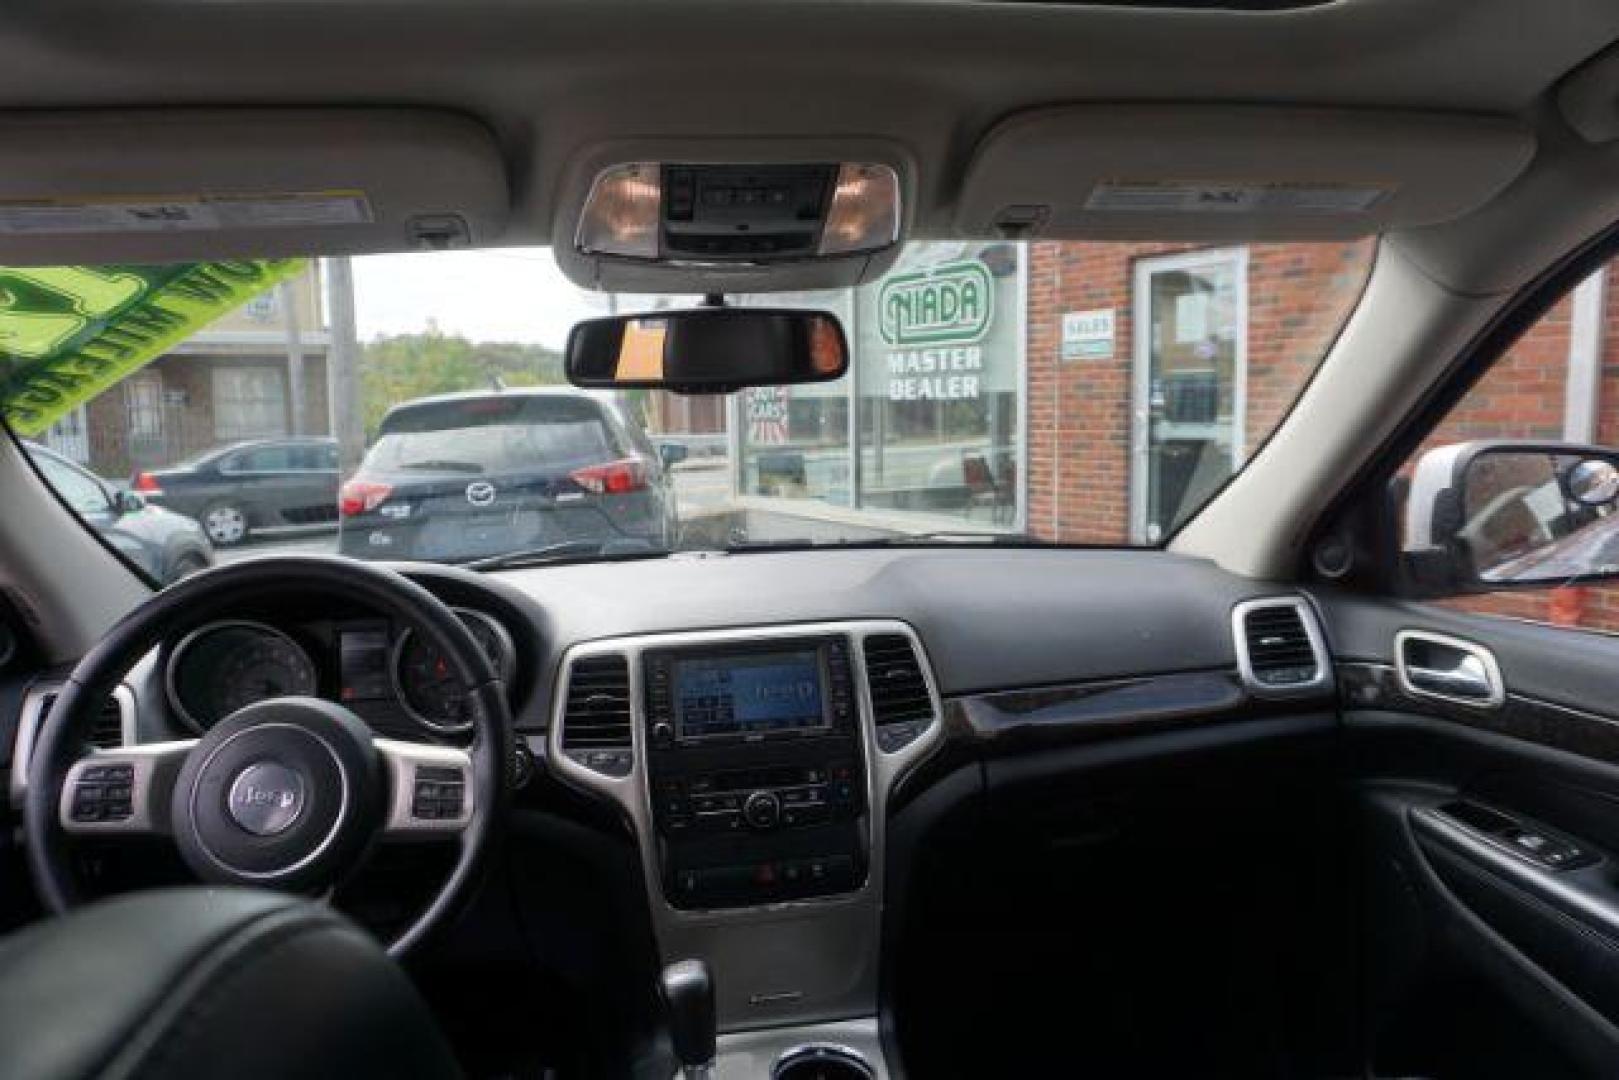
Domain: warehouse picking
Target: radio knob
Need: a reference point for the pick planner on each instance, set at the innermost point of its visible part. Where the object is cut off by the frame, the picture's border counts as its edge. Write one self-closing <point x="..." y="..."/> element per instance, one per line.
<point x="663" y="733"/>
<point x="762" y="810"/>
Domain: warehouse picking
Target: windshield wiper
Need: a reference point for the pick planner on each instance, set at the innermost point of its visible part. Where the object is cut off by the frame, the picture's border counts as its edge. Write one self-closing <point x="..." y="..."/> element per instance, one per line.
<point x="444" y="466"/>
<point x="966" y="536"/>
<point x="937" y="538"/>
<point x="566" y="551"/>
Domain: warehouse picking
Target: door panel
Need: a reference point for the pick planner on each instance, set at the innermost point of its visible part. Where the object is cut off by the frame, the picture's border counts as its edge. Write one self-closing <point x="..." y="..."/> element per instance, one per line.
<point x="1483" y="961"/>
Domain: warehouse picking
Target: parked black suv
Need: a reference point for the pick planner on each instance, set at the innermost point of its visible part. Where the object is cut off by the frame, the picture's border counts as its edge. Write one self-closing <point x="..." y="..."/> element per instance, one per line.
<point x="247" y="488"/>
<point x="462" y="476"/>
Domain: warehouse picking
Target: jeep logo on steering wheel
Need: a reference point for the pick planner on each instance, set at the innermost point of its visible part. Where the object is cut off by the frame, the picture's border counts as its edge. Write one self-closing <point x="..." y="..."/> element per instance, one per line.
<point x="266" y="798"/>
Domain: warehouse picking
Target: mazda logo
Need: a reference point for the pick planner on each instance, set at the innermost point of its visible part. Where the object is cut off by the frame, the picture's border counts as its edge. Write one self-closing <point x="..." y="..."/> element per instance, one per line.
<point x="480" y="493"/>
<point x="266" y="798"/>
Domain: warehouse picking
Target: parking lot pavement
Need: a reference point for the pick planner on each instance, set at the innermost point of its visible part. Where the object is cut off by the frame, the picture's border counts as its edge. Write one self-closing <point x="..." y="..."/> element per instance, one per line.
<point x="700" y="485"/>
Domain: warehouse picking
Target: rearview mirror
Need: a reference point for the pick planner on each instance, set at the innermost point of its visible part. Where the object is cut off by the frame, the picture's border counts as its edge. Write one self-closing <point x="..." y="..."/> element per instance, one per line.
<point x="707" y="350"/>
<point x="1491" y="515"/>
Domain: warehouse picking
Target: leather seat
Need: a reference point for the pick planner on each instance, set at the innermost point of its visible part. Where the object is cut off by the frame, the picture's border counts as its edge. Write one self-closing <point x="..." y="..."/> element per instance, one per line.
<point x="209" y="983"/>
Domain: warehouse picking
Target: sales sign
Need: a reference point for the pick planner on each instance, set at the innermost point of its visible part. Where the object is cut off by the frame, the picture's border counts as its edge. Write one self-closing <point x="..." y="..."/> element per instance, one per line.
<point x="1088" y="335"/>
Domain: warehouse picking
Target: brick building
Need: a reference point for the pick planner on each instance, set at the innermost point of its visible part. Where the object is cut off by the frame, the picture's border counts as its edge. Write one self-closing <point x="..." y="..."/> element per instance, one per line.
<point x="233" y="380"/>
<point x="1098" y="393"/>
<point x="1103" y="429"/>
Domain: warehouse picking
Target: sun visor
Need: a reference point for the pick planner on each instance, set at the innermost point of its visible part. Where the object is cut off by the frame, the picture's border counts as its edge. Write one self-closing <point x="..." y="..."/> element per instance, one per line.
<point x="144" y="186"/>
<point x="1233" y="173"/>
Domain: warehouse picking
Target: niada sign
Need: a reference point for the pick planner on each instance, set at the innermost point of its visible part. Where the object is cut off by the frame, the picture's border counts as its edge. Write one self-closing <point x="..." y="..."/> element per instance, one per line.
<point x="948" y="304"/>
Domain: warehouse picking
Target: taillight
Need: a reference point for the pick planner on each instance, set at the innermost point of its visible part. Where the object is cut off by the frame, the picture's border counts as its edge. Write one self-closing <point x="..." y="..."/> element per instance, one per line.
<point x="614" y="478"/>
<point x="362" y="497"/>
<point x="147" y="484"/>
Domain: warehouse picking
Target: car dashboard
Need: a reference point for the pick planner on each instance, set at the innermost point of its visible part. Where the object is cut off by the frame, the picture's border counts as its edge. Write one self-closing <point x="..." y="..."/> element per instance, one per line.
<point x="759" y="725"/>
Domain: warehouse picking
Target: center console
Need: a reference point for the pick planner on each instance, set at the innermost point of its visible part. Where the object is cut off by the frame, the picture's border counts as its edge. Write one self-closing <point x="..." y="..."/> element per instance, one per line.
<point x="755" y="766"/>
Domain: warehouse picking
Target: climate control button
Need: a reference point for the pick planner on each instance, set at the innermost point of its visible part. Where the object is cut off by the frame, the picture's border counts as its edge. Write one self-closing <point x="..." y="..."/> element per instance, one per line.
<point x="762" y="810"/>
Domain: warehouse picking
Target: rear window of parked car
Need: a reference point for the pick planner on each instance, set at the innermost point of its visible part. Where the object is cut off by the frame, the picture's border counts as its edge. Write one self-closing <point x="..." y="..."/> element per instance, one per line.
<point x="494" y="434"/>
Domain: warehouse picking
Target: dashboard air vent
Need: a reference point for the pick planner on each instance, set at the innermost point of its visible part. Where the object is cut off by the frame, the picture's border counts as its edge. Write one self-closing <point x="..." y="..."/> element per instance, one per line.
<point x="108" y="730"/>
<point x="901" y="706"/>
<point x="1279" y="646"/>
<point x="596" y="717"/>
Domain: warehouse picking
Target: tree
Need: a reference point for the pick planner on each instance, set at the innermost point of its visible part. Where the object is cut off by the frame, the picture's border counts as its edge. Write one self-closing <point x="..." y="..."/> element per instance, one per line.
<point x="402" y="367"/>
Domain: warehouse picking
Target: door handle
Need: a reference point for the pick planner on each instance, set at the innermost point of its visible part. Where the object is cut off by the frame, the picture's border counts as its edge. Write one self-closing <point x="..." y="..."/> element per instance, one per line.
<point x="1448" y="668"/>
<point x="1466" y="678"/>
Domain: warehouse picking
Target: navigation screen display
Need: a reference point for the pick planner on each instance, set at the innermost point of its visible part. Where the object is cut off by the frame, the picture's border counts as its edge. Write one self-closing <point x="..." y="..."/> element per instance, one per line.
<point x="752" y="694"/>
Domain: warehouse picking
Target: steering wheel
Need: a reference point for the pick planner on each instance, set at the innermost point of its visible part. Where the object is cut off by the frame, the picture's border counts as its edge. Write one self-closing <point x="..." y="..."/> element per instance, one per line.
<point x="287" y="793"/>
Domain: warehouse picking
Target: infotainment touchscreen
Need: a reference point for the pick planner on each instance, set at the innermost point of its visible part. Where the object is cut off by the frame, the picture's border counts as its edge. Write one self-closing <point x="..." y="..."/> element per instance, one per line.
<point x="749" y="694"/>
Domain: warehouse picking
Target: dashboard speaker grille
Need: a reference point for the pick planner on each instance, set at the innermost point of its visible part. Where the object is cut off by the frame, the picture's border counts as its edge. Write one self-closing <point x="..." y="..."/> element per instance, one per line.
<point x="597" y="714"/>
<point x="899" y="692"/>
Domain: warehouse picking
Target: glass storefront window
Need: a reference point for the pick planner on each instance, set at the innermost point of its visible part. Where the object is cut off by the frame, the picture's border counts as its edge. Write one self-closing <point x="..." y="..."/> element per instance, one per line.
<point x="935" y="395"/>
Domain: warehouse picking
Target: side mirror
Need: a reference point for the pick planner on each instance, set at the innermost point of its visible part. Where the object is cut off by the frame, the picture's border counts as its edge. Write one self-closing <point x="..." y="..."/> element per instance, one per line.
<point x="128" y="502"/>
<point x="1493" y="515"/>
<point x="710" y="350"/>
<point x="673" y="453"/>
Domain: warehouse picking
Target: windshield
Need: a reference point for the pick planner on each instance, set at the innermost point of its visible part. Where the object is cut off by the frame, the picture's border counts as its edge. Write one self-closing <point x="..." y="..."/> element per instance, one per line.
<point x="414" y="406"/>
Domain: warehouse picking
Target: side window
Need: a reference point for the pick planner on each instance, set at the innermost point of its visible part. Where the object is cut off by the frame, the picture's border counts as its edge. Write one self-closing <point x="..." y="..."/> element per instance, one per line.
<point x="79" y="491"/>
<point x="263" y="459"/>
<point x="1511" y="499"/>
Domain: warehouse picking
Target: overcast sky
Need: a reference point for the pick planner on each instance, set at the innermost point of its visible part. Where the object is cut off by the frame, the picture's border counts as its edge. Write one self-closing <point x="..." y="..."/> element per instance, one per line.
<point x="515" y="294"/>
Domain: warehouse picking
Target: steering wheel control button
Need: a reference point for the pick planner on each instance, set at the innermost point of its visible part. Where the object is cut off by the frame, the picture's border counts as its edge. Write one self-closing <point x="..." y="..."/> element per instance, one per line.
<point x="104" y="793"/>
<point x="762" y="810"/>
<point x="439" y="795"/>
<point x="266" y="798"/>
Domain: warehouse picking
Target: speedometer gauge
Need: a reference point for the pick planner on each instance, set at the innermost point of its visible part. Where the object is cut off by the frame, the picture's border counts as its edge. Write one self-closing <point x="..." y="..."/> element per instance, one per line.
<point x="225" y="666"/>
<point x="427" y="684"/>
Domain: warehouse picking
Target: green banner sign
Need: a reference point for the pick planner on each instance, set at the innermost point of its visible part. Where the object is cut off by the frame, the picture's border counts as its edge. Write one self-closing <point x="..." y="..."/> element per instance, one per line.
<point x="67" y="333"/>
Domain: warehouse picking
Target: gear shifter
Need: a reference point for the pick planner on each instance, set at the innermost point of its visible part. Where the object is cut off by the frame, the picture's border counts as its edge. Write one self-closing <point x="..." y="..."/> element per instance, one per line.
<point x="688" y="994"/>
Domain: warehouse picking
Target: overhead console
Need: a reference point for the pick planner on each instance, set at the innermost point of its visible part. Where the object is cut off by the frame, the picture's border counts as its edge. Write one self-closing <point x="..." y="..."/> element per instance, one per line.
<point x="1239" y="173"/>
<point x="756" y="766"/>
<point x="750" y="216"/>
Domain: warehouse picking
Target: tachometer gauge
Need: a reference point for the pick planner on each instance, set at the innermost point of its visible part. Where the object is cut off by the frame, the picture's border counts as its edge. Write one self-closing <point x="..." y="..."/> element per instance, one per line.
<point x="225" y="666"/>
<point x="432" y="693"/>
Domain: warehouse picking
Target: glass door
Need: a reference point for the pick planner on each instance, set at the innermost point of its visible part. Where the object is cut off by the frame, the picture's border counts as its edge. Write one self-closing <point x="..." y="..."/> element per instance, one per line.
<point x="1191" y="343"/>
